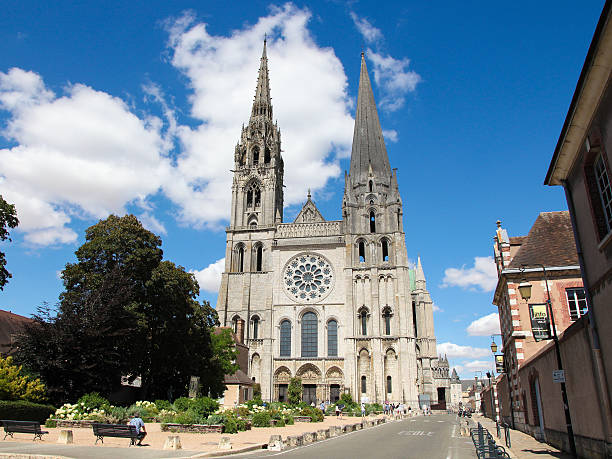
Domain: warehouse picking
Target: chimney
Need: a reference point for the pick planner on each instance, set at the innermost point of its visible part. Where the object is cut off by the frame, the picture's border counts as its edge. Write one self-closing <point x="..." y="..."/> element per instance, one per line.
<point x="240" y="331"/>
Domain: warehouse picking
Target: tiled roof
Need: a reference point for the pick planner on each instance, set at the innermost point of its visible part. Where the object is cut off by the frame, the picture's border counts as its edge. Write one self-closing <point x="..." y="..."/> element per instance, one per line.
<point x="238" y="378"/>
<point x="517" y="240"/>
<point x="10" y="325"/>
<point x="550" y="242"/>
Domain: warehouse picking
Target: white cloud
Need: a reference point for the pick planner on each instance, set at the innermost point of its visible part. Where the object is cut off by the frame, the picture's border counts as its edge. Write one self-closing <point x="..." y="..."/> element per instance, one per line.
<point x="453" y="350"/>
<point x="83" y="154"/>
<point x="370" y="33"/>
<point x="437" y="308"/>
<point x="485" y="326"/>
<point x="305" y="80"/>
<point x="394" y="78"/>
<point x="151" y="223"/>
<point x="209" y="278"/>
<point x="467" y="370"/>
<point x="483" y="275"/>
<point x="390" y="135"/>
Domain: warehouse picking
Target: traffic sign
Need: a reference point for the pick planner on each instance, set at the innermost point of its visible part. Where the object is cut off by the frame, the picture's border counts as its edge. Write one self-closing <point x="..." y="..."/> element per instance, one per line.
<point x="558" y="376"/>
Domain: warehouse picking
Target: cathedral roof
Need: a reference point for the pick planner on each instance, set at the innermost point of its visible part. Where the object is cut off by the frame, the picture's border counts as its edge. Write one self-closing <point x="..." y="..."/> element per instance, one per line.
<point x="369" y="154"/>
<point x="309" y="213"/>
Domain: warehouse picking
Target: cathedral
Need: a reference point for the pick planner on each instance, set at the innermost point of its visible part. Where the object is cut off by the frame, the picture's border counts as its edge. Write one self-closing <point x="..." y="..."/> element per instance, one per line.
<point x="334" y="302"/>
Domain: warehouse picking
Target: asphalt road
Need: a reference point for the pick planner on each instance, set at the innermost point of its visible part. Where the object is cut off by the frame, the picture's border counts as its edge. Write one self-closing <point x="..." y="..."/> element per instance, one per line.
<point x="423" y="437"/>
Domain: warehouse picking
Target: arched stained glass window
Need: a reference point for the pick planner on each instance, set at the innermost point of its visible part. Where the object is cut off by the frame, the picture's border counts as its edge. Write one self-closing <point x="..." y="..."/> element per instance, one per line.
<point x="309" y="335"/>
<point x="387" y="321"/>
<point x="332" y="338"/>
<point x="363" y="321"/>
<point x="240" y="259"/>
<point x="259" y="258"/>
<point x="285" y="338"/>
<point x="372" y="222"/>
<point x="255" y="321"/>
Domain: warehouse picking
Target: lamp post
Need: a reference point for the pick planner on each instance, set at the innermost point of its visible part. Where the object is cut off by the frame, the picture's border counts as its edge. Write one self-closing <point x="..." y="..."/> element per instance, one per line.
<point x="525" y="291"/>
<point x="506" y="368"/>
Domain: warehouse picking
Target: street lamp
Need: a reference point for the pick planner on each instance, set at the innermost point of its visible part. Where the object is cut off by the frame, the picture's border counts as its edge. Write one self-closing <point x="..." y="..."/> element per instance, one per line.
<point x="525" y="291"/>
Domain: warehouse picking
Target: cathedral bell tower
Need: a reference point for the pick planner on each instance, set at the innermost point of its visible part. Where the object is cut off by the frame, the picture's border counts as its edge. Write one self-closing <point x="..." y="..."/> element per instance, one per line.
<point x="257" y="189"/>
<point x="372" y="202"/>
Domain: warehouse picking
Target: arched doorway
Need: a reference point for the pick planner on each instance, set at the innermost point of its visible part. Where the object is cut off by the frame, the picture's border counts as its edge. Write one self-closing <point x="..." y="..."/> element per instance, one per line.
<point x="311" y="381"/>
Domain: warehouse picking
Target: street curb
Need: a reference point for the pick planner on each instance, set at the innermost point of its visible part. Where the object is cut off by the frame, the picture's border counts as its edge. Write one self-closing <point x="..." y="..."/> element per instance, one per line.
<point x="230" y="451"/>
<point x="30" y="456"/>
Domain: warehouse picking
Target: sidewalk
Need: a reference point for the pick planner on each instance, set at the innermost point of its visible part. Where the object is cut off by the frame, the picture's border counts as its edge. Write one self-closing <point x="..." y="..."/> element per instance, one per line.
<point x="523" y="446"/>
<point x="193" y="444"/>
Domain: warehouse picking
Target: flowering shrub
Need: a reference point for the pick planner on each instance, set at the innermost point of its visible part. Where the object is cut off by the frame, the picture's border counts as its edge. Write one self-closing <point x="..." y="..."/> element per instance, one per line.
<point x="261" y="419"/>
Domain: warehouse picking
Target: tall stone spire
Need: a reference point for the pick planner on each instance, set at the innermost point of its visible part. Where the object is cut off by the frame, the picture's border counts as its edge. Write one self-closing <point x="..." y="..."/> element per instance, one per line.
<point x="420" y="275"/>
<point x="262" y="105"/>
<point x="369" y="152"/>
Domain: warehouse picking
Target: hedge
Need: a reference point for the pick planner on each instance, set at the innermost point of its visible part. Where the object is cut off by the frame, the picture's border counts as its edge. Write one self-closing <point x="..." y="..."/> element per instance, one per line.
<point x="21" y="410"/>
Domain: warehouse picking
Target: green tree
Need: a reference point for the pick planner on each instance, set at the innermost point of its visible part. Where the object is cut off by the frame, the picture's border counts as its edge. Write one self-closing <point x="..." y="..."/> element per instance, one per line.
<point x="124" y="311"/>
<point x="294" y="391"/>
<point x="222" y="363"/>
<point x="16" y="386"/>
<point x="177" y="332"/>
<point x="8" y="219"/>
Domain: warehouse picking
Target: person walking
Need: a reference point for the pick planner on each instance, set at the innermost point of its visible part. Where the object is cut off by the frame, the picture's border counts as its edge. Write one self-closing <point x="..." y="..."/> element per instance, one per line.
<point x="363" y="410"/>
<point x="338" y="411"/>
<point x="140" y="427"/>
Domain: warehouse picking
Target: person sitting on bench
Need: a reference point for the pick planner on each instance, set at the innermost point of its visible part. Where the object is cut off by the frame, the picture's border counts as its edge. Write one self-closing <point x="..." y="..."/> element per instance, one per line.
<point x="140" y="427"/>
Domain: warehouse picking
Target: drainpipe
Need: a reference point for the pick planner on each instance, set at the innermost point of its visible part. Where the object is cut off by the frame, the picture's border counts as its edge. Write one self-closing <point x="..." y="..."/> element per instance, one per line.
<point x="599" y="368"/>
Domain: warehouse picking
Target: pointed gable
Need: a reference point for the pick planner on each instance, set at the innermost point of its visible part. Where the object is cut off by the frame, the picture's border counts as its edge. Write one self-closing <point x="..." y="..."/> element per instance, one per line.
<point x="309" y="213"/>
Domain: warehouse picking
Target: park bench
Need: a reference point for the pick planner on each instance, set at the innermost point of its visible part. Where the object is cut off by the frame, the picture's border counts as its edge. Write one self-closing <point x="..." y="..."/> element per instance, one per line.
<point x="115" y="430"/>
<point x="31" y="427"/>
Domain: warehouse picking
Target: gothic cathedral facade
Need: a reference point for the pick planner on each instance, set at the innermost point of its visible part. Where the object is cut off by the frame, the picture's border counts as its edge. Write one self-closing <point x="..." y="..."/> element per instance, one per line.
<point x="333" y="302"/>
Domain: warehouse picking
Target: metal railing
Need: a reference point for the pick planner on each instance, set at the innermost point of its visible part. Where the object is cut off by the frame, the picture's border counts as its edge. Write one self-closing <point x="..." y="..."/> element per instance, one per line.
<point x="499" y="426"/>
<point x="485" y="444"/>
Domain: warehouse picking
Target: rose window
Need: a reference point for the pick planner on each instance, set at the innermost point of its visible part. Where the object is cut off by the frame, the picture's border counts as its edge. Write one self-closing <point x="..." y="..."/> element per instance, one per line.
<point x="308" y="278"/>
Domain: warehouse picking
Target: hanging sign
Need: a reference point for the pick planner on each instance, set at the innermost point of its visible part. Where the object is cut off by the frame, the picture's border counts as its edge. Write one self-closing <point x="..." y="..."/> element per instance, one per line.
<point x="499" y="363"/>
<point x="540" y="325"/>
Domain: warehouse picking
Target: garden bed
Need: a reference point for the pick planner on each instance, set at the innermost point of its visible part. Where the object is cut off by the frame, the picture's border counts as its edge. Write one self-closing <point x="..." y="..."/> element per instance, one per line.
<point x="191" y="428"/>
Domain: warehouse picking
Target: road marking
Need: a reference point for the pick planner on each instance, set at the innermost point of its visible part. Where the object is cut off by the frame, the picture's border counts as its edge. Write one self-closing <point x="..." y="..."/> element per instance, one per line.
<point x="416" y="433"/>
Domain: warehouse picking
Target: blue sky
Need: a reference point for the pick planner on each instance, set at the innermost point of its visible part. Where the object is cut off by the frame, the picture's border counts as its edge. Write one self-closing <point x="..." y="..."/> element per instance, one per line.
<point x="136" y="106"/>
